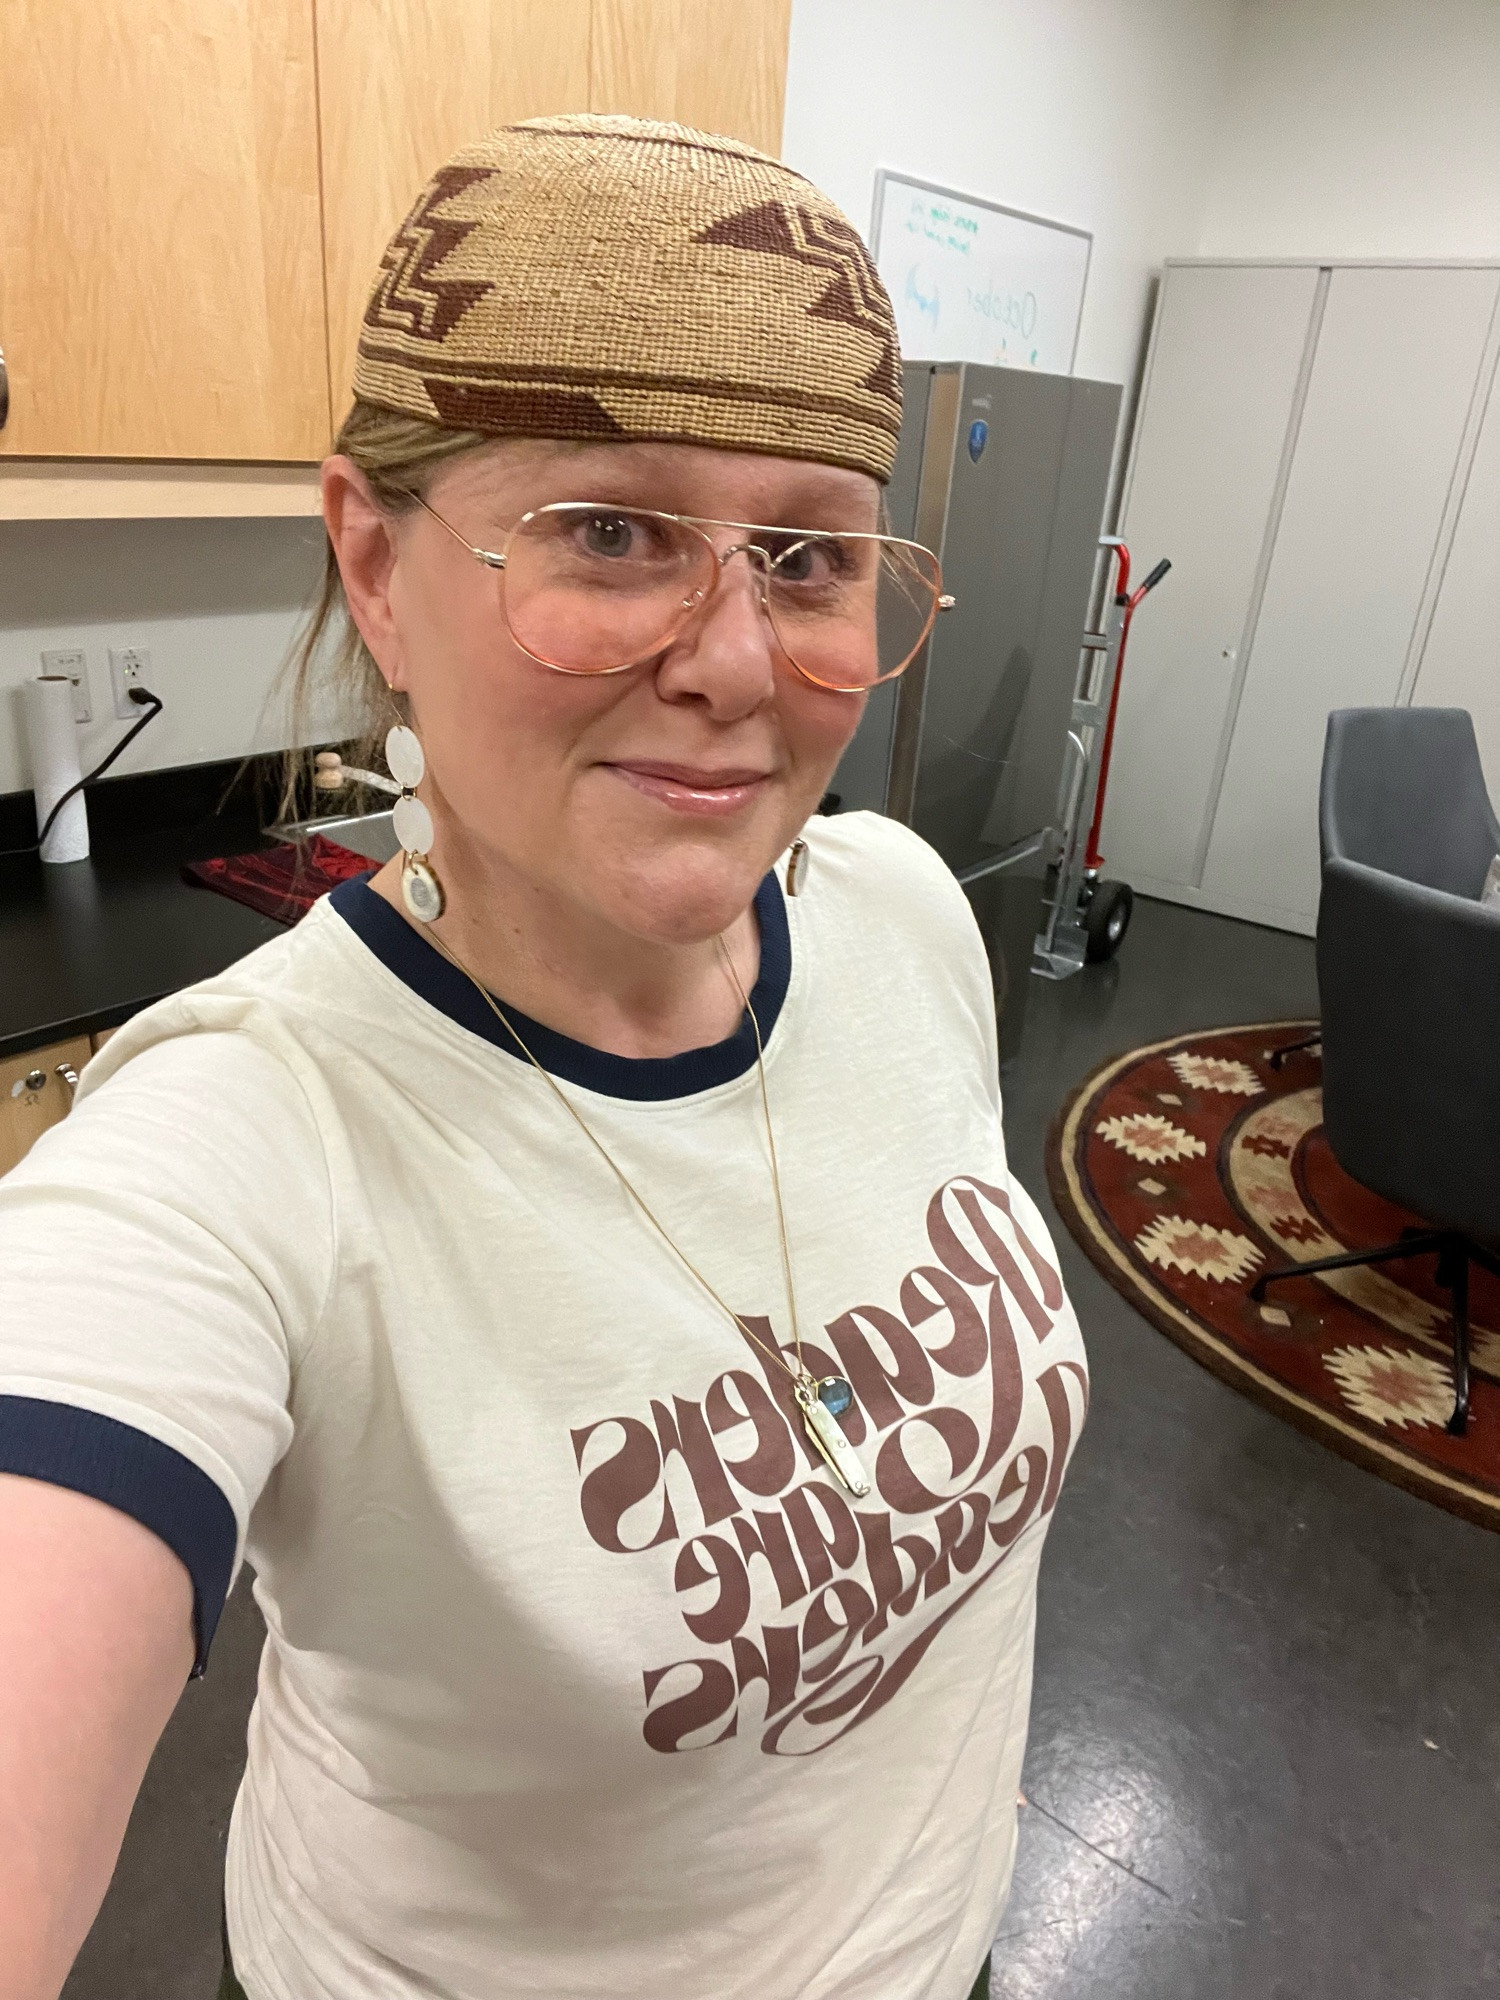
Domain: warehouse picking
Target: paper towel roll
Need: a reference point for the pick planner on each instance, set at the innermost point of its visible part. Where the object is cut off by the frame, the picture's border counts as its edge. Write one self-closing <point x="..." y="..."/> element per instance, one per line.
<point x="52" y="742"/>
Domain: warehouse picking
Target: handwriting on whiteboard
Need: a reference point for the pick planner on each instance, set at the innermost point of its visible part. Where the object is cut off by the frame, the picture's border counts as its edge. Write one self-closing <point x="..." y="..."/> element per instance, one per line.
<point x="974" y="282"/>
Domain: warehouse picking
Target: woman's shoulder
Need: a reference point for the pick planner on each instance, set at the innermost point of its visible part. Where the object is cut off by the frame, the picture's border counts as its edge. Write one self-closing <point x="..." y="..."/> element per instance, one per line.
<point x="196" y="1099"/>
<point x="245" y="1020"/>
<point x="879" y="863"/>
<point x="885" y="910"/>
<point x="197" y="1131"/>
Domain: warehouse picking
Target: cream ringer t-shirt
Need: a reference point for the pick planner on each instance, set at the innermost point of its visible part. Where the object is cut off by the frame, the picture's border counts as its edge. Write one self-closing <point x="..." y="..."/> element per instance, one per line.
<point x="583" y="1678"/>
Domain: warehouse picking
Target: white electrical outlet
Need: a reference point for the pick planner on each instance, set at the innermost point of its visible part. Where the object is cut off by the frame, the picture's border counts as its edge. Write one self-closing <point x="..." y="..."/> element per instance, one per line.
<point x="73" y="665"/>
<point x="128" y="668"/>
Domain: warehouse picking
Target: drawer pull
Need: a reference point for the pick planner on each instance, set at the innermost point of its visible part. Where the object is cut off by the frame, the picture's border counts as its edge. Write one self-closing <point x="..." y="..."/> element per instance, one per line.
<point x="69" y="1076"/>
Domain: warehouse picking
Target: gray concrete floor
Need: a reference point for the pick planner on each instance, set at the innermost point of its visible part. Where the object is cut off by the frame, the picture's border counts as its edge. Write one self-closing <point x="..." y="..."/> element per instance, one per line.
<point x="1266" y="1739"/>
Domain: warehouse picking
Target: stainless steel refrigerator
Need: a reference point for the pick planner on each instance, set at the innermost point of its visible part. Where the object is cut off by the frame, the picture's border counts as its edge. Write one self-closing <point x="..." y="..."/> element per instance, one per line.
<point x="1004" y="473"/>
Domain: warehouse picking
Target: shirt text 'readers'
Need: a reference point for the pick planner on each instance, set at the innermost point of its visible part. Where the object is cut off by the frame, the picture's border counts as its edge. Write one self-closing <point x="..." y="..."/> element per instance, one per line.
<point x="965" y="1426"/>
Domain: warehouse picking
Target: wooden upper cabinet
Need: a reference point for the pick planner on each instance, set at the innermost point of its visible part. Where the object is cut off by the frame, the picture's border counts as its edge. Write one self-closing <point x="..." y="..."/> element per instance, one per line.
<point x="716" y="64"/>
<point x="195" y="194"/>
<point x="161" y="282"/>
<point x="404" y="83"/>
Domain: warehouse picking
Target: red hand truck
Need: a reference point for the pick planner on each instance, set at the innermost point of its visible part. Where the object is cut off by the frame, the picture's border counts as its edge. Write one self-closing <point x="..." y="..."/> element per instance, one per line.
<point x="1086" y="917"/>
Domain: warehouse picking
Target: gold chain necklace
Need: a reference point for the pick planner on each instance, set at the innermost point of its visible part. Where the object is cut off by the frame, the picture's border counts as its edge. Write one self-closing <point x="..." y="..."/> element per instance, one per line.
<point x="820" y="1401"/>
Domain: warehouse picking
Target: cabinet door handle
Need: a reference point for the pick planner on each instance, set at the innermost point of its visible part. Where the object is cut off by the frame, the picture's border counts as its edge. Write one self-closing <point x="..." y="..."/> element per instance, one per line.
<point x="69" y="1076"/>
<point x="4" y="390"/>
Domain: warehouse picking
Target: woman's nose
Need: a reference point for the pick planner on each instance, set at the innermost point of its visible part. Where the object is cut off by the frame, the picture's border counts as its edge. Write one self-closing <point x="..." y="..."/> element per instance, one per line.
<point x="726" y="656"/>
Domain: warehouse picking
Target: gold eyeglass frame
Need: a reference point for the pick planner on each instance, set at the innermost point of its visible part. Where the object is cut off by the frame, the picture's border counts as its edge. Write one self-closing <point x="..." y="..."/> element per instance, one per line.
<point x="496" y="560"/>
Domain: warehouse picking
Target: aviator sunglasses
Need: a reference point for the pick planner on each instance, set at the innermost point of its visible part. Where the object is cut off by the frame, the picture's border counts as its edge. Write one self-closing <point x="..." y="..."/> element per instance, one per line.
<point x="589" y="588"/>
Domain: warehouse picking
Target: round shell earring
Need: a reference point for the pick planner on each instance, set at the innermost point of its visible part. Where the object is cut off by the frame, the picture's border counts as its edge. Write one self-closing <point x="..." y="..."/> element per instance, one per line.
<point x="421" y="890"/>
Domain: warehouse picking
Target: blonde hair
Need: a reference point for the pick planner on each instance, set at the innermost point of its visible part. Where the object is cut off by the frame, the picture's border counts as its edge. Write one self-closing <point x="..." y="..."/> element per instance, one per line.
<point x="330" y="663"/>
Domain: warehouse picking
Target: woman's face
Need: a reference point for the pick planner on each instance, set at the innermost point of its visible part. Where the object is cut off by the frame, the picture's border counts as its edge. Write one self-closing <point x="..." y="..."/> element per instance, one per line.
<point x="656" y="798"/>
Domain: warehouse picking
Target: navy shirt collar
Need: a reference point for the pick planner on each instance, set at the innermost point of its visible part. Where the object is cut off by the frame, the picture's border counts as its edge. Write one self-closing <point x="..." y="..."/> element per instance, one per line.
<point x="403" y="950"/>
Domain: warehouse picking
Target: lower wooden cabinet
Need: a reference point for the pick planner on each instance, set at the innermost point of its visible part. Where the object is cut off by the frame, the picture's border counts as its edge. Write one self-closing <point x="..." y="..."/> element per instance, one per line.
<point x="36" y="1090"/>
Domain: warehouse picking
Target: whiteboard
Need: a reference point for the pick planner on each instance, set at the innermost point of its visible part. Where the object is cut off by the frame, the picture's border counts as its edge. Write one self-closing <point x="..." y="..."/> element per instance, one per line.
<point x="972" y="281"/>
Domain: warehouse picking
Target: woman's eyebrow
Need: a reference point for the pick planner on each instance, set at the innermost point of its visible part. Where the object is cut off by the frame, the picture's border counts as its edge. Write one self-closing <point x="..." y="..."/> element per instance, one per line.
<point x="831" y="517"/>
<point x="657" y="490"/>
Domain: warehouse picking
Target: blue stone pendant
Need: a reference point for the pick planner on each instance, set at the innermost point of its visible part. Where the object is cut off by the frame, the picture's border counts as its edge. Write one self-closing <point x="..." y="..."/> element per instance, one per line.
<point x="835" y="1394"/>
<point x="820" y="1403"/>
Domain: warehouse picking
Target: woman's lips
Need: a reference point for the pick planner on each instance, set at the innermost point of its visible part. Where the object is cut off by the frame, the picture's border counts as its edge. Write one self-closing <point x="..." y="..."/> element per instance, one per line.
<point x="689" y="790"/>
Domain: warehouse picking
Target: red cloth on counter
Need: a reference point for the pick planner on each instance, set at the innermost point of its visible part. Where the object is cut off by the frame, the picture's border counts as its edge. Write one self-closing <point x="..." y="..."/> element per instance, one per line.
<point x="281" y="882"/>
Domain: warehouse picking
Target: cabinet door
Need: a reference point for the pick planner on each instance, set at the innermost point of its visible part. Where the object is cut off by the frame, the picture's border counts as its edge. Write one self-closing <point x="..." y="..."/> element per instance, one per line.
<point x="1225" y="363"/>
<point x="35" y="1092"/>
<point x="404" y="83"/>
<point x="1392" y="386"/>
<point x="161" y="285"/>
<point x="721" y="67"/>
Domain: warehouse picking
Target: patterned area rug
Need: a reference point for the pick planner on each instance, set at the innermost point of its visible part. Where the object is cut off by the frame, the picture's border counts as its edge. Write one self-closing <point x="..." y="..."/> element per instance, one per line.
<point x="1187" y="1168"/>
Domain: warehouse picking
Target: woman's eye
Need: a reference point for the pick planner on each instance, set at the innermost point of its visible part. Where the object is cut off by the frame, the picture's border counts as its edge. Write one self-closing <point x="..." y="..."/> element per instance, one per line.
<point x="806" y="561"/>
<point x="608" y="535"/>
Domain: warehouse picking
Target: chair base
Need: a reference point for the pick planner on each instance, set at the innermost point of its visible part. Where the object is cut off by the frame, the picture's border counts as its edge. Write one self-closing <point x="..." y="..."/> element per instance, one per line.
<point x="1278" y="1056"/>
<point x="1453" y="1253"/>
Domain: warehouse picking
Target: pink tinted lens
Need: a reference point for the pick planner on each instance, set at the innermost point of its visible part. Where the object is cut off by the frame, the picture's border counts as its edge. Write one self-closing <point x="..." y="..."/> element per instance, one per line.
<point x="852" y="610"/>
<point x="590" y="589"/>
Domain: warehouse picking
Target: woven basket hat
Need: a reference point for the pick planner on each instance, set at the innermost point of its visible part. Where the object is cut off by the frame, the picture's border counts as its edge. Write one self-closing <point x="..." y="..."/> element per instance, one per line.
<point x="615" y="279"/>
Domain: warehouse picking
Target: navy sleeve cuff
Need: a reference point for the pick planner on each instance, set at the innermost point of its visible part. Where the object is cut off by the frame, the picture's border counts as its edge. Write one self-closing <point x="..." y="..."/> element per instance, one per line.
<point x="128" y="1470"/>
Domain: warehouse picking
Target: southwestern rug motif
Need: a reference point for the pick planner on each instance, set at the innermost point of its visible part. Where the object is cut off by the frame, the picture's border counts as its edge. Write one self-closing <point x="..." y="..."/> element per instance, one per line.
<point x="1188" y="1168"/>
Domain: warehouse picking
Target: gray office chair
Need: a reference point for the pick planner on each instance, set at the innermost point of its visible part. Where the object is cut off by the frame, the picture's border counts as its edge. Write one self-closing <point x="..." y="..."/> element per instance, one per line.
<point x="1409" y="977"/>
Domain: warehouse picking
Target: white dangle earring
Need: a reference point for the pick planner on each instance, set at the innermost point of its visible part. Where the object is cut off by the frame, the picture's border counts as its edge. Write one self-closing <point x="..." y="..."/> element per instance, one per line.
<point x="421" y="891"/>
<point x="796" y="867"/>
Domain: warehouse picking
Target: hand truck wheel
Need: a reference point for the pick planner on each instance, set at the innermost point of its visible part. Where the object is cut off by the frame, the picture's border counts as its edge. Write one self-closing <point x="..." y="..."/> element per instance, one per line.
<point x="1107" y="919"/>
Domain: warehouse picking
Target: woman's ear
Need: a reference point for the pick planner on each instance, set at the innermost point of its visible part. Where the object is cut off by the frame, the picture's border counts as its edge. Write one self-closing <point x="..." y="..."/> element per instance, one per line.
<point x="364" y="546"/>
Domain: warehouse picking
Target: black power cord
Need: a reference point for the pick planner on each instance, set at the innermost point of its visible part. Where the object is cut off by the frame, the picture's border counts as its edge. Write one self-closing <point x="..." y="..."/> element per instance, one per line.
<point x="143" y="698"/>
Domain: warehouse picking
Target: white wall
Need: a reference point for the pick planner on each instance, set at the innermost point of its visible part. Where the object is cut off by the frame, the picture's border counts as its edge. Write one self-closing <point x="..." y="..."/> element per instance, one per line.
<point x="1371" y="128"/>
<point x="1359" y="128"/>
<point x="1101" y="113"/>
<point x="217" y="603"/>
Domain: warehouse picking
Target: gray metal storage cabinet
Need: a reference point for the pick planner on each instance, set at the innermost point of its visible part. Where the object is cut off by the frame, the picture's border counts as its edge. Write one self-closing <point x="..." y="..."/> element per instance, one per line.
<point x="1004" y="473"/>
<point x="1312" y="449"/>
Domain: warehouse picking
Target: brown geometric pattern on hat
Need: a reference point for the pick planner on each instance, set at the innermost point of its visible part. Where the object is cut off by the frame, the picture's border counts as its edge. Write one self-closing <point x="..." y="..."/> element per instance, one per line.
<point x="853" y="294"/>
<point x="515" y="410"/>
<point x="409" y="294"/>
<point x="614" y="278"/>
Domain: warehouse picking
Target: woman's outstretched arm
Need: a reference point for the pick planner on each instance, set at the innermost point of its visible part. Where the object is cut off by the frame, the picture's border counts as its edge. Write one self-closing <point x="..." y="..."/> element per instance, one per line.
<point x="96" y="1644"/>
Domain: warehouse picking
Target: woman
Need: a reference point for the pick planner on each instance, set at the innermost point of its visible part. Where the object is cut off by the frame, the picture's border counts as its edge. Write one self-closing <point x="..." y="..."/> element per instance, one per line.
<point x="581" y="1274"/>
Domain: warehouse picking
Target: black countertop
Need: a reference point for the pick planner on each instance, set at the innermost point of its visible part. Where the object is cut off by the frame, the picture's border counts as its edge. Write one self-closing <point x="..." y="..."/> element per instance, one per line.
<point x="86" y="944"/>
